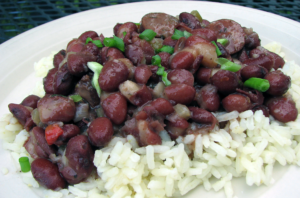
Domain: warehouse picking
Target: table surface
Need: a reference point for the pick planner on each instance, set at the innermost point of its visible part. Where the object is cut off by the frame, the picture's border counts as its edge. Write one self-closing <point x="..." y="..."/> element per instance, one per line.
<point x="18" y="16"/>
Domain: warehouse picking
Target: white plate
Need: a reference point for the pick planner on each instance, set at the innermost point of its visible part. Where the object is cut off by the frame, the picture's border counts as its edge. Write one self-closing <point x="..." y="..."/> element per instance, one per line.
<point x="18" y="55"/>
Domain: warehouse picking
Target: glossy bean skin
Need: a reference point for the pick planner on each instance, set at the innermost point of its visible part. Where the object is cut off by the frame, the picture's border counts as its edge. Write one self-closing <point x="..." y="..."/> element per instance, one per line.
<point x="180" y="93"/>
<point x="85" y="89"/>
<point x="252" y="40"/>
<point x="31" y="101"/>
<point x="85" y="35"/>
<point x="146" y="47"/>
<point x="277" y="61"/>
<point x="46" y="174"/>
<point x="279" y="83"/>
<point x="135" y="54"/>
<point x="263" y="61"/>
<point x="129" y="28"/>
<point x="205" y="33"/>
<point x="282" y="109"/>
<point x="163" y="106"/>
<point x="181" y="76"/>
<point x="37" y="146"/>
<point x="70" y="130"/>
<point x="142" y="74"/>
<point x="56" y="108"/>
<point x="48" y="81"/>
<point x="100" y="131"/>
<point x="63" y="81"/>
<point x="165" y="56"/>
<point x="80" y="160"/>
<point x="77" y="63"/>
<point x="263" y="108"/>
<point x="90" y="48"/>
<point x="22" y="114"/>
<point x="203" y="76"/>
<point x="169" y="41"/>
<point x="112" y="75"/>
<point x="161" y="23"/>
<point x="203" y="117"/>
<point x="190" y="20"/>
<point x="75" y="45"/>
<point x="236" y="102"/>
<point x="115" y="108"/>
<point x="255" y="96"/>
<point x="208" y="98"/>
<point x="176" y="126"/>
<point x="110" y="53"/>
<point x="253" y="71"/>
<point x="182" y="60"/>
<point x="59" y="57"/>
<point x="225" y="81"/>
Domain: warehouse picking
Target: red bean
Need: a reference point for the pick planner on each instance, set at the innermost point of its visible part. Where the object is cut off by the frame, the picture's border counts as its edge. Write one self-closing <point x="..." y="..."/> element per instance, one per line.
<point x="190" y="20"/>
<point x="225" y="81"/>
<point x="176" y="125"/>
<point x="59" y="57"/>
<point x="31" y="101"/>
<point x="255" y="96"/>
<point x="135" y="54"/>
<point x="192" y="40"/>
<point x="252" y="40"/>
<point x="77" y="63"/>
<point x="181" y="76"/>
<point x="90" y="48"/>
<point x="236" y="102"/>
<point x="203" y="76"/>
<point x="100" y="131"/>
<point x="203" y="117"/>
<point x="85" y="35"/>
<point x="116" y="28"/>
<point x="49" y="82"/>
<point x="85" y="89"/>
<point x="163" y="106"/>
<point x="161" y="23"/>
<point x="70" y="130"/>
<point x="279" y="83"/>
<point x="129" y="28"/>
<point x="282" y="109"/>
<point x="63" y="81"/>
<point x="205" y="33"/>
<point x="263" y="61"/>
<point x="142" y="96"/>
<point x="263" y="108"/>
<point x="40" y="144"/>
<point x="110" y="53"/>
<point x="115" y="108"/>
<point x="80" y="158"/>
<point x="75" y="45"/>
<point x="22" y="114"/>
<point x="56" y="108"/>
<point x="253" y="71"/>
<point x="207" y="98"/>
<point x="46" y="174"/>
<point x="169" y="41"/>
<point x="182" y="60"/>
<point x="112" y="75"/>
<point x="180" y="93"/>
<point x="142" y="74"/>
<point x="165" y="56"/>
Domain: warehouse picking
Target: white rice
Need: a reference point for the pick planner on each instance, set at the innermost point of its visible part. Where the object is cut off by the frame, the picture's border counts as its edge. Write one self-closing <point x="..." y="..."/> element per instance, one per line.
<point x="249" y="147"/>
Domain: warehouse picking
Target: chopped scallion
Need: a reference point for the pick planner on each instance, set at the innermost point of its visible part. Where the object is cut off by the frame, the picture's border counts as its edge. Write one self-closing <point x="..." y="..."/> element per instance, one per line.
<point x="165" y="79"/>
<point x="223" y="41"/>
<point x="156" y="60"/>
<point x="228" y="65"/>
<point x="165" y="48"/>
<point x="177" y="34"/>
<point x="96" y="42"/>
<point x="186" y="34"/>
<point x="217" y="48"/>
<point x="109" y="42"/>
<point x="259" y="84"/>
<point x="119" y="43"/>
<point x="160" y="71"/>
<point x="124" y="33"/>
<point x="75" y="98"/>
<point x="96" y="68"/>
<point x="147" y="35"/>
<point x="114" y="42"/>
<point x="24" y="163"/>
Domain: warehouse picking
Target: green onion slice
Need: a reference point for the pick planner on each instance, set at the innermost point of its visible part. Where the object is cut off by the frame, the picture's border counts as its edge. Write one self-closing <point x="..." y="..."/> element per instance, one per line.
<point x="259" y="84"/>
<point x="217" y="48"/>
<point x="197" y="15"/>
<point x="165" y="79"/>
<point x="24" y="163"/>
<point x="124" y="33"/>
<point x="165" y="48"/>
<point x="160" y="71"/>
<point x="177" y="34"/>
<point x="147" y="35"/>
<point x="186" y="34"/>
<point x="228" y="65"/>
<point x="96" y="42"/>
<point x="96" y="68"/>
<point x="223" y="41"/>
<point x="75" y="98"/>
<point x="156" y="60"/>
<point x="114" y="42"/>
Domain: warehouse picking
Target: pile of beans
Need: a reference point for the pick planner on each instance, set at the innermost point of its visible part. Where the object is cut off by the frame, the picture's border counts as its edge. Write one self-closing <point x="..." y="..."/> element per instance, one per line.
<point x="135" y="101"/>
